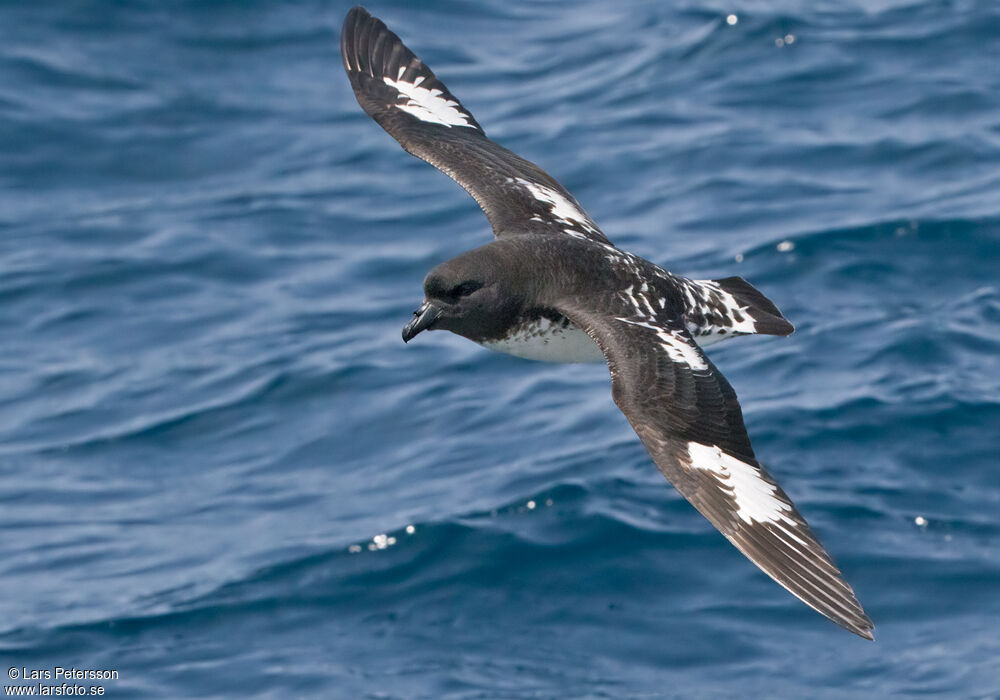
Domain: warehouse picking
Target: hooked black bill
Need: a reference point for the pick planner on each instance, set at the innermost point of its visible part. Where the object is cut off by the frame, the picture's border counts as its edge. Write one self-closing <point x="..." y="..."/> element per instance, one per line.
<point x="423" y="318"/>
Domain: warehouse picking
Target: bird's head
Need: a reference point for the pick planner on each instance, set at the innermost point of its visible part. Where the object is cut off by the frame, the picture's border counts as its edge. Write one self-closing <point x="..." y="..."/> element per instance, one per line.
<point x="469" y="296"/>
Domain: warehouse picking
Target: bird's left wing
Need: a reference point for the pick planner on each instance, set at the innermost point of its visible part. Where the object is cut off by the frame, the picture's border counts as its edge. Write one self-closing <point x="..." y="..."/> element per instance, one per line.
<point x="404" y="96"/>
<point x="688" y="417"/>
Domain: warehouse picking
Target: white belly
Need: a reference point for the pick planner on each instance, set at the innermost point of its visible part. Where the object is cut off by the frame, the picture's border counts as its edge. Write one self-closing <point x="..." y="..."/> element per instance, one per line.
<point x="549" y="342"/>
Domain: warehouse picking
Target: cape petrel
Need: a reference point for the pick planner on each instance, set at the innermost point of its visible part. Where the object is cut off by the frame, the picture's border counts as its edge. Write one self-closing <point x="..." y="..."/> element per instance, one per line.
<point x="551" y="286"/>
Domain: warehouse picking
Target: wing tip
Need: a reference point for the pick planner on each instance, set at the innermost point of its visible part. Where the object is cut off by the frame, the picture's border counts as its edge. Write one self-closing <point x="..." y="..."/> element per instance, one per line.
<point x="802" y="566"/>
<point x="846" y="612"/>
<point x="374" y="57"/>
<point x="354" y="13"/>
<point x="836" y="601"/>
<point x="843" y="609"/>
<point x="861" y="624"/>
<point x="855" y="621"/>
<point x="366" y="44"/>
<point x="867" y="632"/>
<point x="357" y="20"/>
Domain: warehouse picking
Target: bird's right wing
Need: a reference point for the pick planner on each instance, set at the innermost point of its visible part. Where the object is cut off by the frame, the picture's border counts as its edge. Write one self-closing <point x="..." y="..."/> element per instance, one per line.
<point x="404" y="96"/>
<point x="688" y="417"/>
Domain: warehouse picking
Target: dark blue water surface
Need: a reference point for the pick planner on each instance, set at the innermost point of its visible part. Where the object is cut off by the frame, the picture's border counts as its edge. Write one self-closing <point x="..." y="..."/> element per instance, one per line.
<point x="222" y="474"/>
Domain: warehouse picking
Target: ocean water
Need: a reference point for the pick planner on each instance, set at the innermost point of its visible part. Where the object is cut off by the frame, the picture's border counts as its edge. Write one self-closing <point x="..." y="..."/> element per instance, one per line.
<point x="222" y="474"/>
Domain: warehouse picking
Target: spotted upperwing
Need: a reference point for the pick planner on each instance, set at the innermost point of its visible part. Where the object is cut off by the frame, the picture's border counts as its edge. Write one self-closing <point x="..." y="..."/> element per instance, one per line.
<point x="688" y="417"/>
<point x="404" y="96"/>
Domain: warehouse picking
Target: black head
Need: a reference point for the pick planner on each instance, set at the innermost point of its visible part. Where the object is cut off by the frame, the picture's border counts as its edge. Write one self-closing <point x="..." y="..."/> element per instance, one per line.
<point x="473" y="295"/>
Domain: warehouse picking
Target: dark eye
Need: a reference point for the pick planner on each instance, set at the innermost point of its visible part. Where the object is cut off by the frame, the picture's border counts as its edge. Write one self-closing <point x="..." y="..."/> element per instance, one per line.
<point x="466" y="288"/>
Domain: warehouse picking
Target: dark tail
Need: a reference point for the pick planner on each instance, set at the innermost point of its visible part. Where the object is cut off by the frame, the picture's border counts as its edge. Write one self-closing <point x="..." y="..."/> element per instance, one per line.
<point x="766" y="316"/>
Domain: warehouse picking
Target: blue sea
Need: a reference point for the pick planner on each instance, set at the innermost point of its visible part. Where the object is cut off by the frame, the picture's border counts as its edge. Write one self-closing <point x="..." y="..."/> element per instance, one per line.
<point x="223" y="475"/>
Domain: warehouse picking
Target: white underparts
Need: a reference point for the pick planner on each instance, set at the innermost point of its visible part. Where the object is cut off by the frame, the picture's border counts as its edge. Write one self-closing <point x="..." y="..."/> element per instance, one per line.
<point x="427" y="105"/>
<point x="756" y="498"/>
<point x="549" y="341"/>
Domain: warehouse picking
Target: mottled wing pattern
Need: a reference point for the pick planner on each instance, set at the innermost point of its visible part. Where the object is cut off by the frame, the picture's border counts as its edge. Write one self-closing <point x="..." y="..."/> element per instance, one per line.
<point x="403" y="95"/>
<point x="688" y="417"/>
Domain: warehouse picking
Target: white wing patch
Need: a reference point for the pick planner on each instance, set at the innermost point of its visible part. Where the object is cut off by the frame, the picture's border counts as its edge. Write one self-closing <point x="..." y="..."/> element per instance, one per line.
<point x="562" y="209"/>
<point x="676" y="347"/>
<point x="756" y="499"/>
<point x="427" y="105"/>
